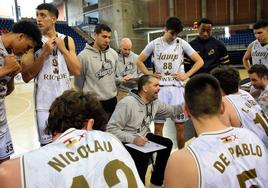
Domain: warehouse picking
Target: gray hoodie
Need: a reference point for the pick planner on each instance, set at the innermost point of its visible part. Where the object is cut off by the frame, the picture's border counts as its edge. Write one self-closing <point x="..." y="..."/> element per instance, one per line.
<point x="98" y="72"/>
<point x="132" y="116"/>
<point x="127" y="66"/>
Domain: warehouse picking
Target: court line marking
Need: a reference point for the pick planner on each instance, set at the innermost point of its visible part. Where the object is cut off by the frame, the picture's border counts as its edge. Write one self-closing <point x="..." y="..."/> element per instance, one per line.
<point x="29" y="106"/>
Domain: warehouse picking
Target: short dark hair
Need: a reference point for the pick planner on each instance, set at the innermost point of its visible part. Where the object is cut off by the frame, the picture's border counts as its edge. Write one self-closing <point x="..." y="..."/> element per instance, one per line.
<point x="28" y="28"/>
<point x="259" y="69"/>
<point x="228" y="78"/>
<point x="174" y="24"/>
<point x="203" y="96"/>
<point x="144" y="79"/>
<point x="72" y="109"/>
<point x="260" y="24"/>
<point x="204" y="21"/>
<point x="50" y="8"/>
<point x="102" y="27"/>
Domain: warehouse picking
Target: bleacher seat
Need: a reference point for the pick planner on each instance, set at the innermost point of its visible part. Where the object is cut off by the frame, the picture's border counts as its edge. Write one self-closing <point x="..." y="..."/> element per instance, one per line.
<point x="239" y="38"/>
<point x="6" y="25"/>
<point x="67" y="30"/>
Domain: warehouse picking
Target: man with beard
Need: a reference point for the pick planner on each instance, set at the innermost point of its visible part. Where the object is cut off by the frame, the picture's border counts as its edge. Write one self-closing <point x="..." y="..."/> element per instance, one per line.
<point x="258" y="75"/>
<point x="131" y="120"/>
<point x="98" y="68"/>
<point x="127" y="69"/>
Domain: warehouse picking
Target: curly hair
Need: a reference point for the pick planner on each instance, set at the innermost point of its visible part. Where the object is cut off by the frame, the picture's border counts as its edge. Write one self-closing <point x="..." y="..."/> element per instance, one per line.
<point x="72" y="109"/>
<point x="28" y="28"/>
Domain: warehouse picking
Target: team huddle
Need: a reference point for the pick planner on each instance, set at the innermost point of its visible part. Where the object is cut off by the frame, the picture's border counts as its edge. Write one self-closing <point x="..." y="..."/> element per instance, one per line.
<point x="84" y="132"/>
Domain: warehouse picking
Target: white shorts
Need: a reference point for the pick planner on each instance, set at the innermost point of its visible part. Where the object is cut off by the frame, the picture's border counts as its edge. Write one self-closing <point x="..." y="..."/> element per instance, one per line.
<point x="6" y="146"/>
<point x="172" y="95"/>
<point x="41" y="119"/>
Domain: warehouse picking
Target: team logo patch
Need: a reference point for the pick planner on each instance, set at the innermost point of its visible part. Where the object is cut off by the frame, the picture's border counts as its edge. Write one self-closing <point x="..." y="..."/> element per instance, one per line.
<point x="70" y="142"/>
<point x="106" y="69"/>
<point x="73" y="140"/>
<point x="211" y="52"/>
<point x="228" y="139"/>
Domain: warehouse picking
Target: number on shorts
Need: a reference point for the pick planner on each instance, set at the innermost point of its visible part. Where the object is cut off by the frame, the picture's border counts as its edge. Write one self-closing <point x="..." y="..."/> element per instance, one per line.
<point x="246" y="175"/>
<point x="9" y="148"/>
<point x="110" y="175"/>
<point x="263" y="120"/>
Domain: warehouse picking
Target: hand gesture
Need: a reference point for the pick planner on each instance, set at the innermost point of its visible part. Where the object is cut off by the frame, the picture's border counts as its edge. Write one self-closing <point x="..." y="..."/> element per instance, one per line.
<point x="127" y="77"/>
<point x="140" y="140"/>
<point x="157" y="75"/>
<point x="48" y="47"/>
<point x="59" y="42"/>
<point x="12" y="65"/>
<point x="180" y="76"/>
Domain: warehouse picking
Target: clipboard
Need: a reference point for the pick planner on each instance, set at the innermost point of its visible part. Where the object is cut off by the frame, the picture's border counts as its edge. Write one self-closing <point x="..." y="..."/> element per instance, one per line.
<point x="149" y="147"/>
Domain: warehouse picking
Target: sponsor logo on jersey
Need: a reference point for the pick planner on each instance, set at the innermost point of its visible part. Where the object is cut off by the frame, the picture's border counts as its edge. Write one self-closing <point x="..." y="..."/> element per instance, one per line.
<point x="70" y="142"/>
<point x="211" y="52"/>
<point x="73" y="140"/>
<point x="228" y="139"/>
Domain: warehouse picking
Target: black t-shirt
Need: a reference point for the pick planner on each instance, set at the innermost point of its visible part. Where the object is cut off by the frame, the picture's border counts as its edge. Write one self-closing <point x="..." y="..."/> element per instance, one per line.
<point x="212" y="51"/>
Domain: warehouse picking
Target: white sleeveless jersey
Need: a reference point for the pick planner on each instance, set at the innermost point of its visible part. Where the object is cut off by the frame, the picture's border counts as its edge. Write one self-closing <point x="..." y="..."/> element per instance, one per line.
<point x="3" y="89"/>
<point x="233" y="157"/>
<point x="52" y="80"/>
<point x="80" y="158"/>
<point x="259" y="53"/>
<point x="168" y="60"/>
<point x="251" y="115"/>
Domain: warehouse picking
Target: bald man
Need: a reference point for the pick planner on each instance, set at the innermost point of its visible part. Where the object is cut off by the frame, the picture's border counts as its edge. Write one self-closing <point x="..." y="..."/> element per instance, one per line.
<point x="127" y="69"/>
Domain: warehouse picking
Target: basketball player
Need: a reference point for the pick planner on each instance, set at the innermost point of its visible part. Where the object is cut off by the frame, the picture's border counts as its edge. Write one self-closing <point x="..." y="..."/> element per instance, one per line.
<point x="98" y="68"/>
<point x="80" y="155"/>
<point x="258" y="49"/>
<point x="168" y="58"/>
<point x="127" y="69"/>
<point x="212" y="51"/>
<point x="241" y="110"/>
<point x="258" y="75"/>
<point x="23" y="37"/>
<point x="220" y="156"/>
<point x="53" y="64"/>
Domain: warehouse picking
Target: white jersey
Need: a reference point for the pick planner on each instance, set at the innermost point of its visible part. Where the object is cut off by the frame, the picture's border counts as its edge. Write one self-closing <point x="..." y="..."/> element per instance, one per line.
<point x="80" y="158"/>
<point x="52" y="80"/>
<point x="168" y="58"/>
<point x="251" y="115"/>
<point x="3" y="89"/>
<point x="259" y="53"/>
<point x="232" y="157"/>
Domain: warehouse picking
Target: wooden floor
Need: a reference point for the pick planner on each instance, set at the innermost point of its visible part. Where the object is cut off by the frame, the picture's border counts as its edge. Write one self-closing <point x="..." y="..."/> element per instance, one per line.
<point x="20" y="113"/>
